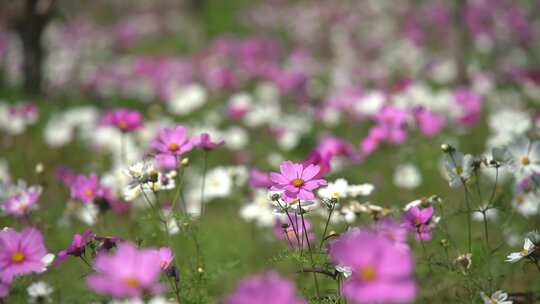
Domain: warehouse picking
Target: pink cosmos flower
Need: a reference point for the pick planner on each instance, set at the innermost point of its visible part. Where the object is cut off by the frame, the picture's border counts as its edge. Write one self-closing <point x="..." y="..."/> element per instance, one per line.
<point x="417" y="220"/>
<point x="129" y="272"/>
<point x="171" y="143"/>
<point x="381" y="272"/>
<point x="124" y="119"/>
<point x="259" y="179"/>
<point x="22" y="202"/>
<point x="297" y="181"/>
<point x="4" y="289"/>
<point x="165" y="257"/>
<point x="429" y="123"/>
<point x="393" y="121"/>
<point x="471" y="106"/>
<point x="86" y="188"/>
<point x="393" y="231"/>
<point x="20" y="253"/>
<point x="265" y="288"/>
<point x="316" y="158"/>
<point x="77" y="247"/>
<point x="203" y="141"/>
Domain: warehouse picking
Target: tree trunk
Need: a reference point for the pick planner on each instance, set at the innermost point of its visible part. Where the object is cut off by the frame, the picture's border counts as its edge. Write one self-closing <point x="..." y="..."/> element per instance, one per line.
<point x="30" y="28"/>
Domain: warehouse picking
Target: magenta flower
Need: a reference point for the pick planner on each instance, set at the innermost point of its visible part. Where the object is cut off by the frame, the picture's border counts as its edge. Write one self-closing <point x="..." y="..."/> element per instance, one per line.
<point x="316" y="158"/>
<point x="129" y="272"/>
<point x="77" y="247"/>
<point x="393" y="231"/>
<point x="287" y="231"/>
<point x="417" y="220"/>
<point x="429" y="123"/>
<point x="22" y="202"/>
<point x="20" y="253"/>
<point x="4" y="289"/>
<point x="259" y="179"/>
<point x="297" y="181"/>
<point x="172" y="141"/>
<point x="381" y="272"/>
<point x="86" y="188"/>
<point x="165" y="257"/>
<point x="265" y="288"/>
<point x="124" y="119"/>
<point x="204" y="141"/>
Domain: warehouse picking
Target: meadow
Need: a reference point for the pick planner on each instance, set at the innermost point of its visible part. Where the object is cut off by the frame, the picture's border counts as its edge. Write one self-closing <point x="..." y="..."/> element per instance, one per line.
<point x="270" y="152"/>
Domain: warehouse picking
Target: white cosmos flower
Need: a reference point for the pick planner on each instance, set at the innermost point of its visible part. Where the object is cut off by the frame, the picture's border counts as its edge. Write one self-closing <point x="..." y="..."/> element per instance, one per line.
<point x="528" y="248"/>
<point x="498" y="297"/>
<point x="458" y="167"/>
<point x="144" y="177"/>
<point x="370" y="104"/>
<point x="218" y="183"/>
<point x="360" y="190"/>
<point x="527" y="204"/>
<point x="524" y="156"/>
<point x="39" y="292"/>
<point x="338" y="189"/>
<point x="407" y="176"/>
<point x="187" y="99"/>
<point x="87" y="213"/>
<point x="236" y="138"/>
<point x="259" y="210"/>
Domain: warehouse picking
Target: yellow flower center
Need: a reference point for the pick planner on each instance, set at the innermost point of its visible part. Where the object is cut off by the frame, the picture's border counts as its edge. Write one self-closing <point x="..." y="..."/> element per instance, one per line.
<point x="494" y="301"/>
<point x="122" y="124"/>
<point x="88" y="192"/>
<point x="298" y="182"/>
<point x="459" y="170"/>
<point x="173" y="147"/>
<point x="520" y="200"/>
<point x="525" y="161"/>
<point x="132" y="282"/>
<point x="17" y="257"/>
<point x="524" y="252"/>
<point x="417" y="221"/>
<point x="367" y="273"/>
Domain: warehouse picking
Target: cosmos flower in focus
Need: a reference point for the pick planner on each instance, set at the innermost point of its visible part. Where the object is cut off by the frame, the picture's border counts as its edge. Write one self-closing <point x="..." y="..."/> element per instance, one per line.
<point x="265" y="288"/>
<point x="129" y="272"/>
<point x="77" y="247"/>
<point x="296" y="182"/>
<point x="381" y="272"/>
<point x="459" y="167"/>
<point x="170" y="144"/>
<point x="498" y="297"/>
<point x="529" y="248"/>
<point x="417" y="220"/>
